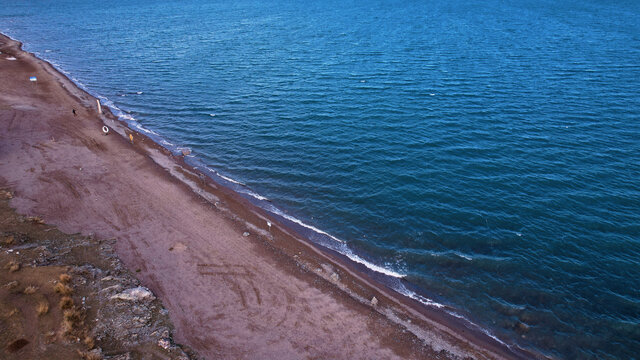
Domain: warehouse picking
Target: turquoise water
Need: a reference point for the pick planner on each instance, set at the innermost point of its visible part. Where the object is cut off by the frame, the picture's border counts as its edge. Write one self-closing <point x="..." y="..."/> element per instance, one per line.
<point x="489" y="152"/>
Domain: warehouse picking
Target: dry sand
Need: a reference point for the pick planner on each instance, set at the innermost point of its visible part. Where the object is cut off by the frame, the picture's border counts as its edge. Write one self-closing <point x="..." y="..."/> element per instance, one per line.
<point x="262" y="296"/>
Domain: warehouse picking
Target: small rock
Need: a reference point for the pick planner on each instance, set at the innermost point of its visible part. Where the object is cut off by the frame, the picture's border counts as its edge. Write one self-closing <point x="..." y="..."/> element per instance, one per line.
<point x="93" y="354"/>
<point x="374" y="301"/>
<point x="126" y="356"/>
<point x="11" y="285"/>
<point x="328" y="268"/>
<point x="334" y="277"/>
<point x="164" y="343"/>
<point x="186" y="152"/>
<point x="135" y="294"/>
<point x="245" y="234"/>
<point x="114" y="288"/>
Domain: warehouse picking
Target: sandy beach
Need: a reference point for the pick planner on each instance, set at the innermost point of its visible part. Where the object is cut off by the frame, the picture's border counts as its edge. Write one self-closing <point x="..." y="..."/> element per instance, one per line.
<point x="235" y="288"/>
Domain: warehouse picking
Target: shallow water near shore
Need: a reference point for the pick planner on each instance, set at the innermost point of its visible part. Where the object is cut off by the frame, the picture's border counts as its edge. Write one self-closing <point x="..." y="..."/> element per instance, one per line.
<point x="487" y="152"/>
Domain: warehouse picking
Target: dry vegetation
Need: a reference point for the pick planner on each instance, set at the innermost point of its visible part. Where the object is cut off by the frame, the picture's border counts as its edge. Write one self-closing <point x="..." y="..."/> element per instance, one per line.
<point x="42" y="308"/>
<point x="12" y="266"/>
<point x="62" y="289"/>
<point x="35" y="219"/>
<point x="66" y="302"/>
<point x="8" y="240"/>
<point x="64" y="278"/>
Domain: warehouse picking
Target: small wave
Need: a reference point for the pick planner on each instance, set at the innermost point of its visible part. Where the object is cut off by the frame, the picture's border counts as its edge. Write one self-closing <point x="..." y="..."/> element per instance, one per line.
<point x="455" y="314"/>
<point x="489" y="334"/>
<point x="139" y="92"/>
<point x="471" y="324"/>
<point x="292" y="219"/>
<point x="254" y="195"/>
<point x="464" y="256"/>
<point x="340" y="247"/>
<point x="229" y="179"/>
<point x="343" y="249"/>
<point x="138" y="126"/>
<point x="212" y="115"/>
<point x="372" y="266"/>
<point x="423" y="300"/>
<point x="257" y="196"/>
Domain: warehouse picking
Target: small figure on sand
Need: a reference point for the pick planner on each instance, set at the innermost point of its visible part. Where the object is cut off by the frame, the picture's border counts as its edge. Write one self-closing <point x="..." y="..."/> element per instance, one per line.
<point x="74" y="112"/>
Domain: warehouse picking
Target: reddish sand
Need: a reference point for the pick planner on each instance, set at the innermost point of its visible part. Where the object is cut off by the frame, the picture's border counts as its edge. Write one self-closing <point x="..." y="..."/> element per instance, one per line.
<point x="264" y="296"/>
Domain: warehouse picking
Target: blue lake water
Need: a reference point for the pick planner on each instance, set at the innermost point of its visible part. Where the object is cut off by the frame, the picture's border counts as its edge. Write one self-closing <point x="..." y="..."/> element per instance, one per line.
<point x="489" y="151"/>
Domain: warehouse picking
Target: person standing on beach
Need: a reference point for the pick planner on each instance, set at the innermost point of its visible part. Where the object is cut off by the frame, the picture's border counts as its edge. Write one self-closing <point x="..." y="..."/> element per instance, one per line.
<point x="74" y="112"/>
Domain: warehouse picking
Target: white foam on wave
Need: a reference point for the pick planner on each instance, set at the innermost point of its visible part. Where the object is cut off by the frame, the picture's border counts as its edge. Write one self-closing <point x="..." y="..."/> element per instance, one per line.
<point x="212" y="115"/>
<point x="126" y="117"/>
<point x="342" y="248"/>
<point x="421" y="299"/>
<point x="455" y="314"/>
<point x="244" y="190"/>
<point x="143" y="129"/>
<point x="139" y="92"/>
<point x="477" y="327"/>
<point x="297" y="221"/>
<point x="489" y="334"/>
<point x="464" y="256"/>
<point x="229" y="179"/>
<point x="254" y="195"/>
<point x="372" y="266"/>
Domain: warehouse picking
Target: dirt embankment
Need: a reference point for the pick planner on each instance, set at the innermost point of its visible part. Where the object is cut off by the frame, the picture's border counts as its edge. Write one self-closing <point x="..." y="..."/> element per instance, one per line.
<point x="69" y="297"/>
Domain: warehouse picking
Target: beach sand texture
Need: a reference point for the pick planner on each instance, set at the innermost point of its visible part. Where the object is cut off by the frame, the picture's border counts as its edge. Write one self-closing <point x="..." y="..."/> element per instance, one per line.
<point x="229" y="296"/>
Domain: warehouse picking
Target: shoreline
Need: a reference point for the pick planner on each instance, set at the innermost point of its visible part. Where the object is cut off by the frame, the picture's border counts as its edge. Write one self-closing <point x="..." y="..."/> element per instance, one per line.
<point x="341" y="276"/>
